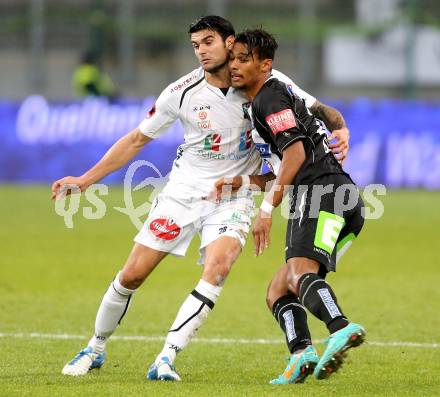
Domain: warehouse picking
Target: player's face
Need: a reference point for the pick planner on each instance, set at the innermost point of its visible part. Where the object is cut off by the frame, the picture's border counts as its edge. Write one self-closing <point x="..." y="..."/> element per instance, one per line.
<point x="210" y="49"/>
<point x="245" y="67"/>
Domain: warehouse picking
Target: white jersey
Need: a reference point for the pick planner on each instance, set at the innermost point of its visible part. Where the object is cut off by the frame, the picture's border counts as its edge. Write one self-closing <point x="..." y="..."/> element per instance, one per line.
<point x="217" y="133"/>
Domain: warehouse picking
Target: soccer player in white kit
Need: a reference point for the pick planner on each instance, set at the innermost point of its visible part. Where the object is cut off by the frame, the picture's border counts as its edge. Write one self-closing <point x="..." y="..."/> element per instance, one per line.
<point x="217" y="144"/>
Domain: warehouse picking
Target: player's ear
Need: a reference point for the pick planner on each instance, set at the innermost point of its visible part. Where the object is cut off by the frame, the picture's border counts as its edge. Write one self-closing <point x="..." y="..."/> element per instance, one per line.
<point x="266" y="65"/>
<point x="230" y="42"/>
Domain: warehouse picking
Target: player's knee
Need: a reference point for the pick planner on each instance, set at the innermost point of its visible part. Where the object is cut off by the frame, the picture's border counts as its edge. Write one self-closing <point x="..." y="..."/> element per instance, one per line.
<point x="297" y="268"/>
<point x="217" y="269"/>
<point x="219" y="264"/>
<point x="275" y="290"/>
<point x="293" y="276"/>
<point x="293" y="281"/>
<point x="130" y="278"/>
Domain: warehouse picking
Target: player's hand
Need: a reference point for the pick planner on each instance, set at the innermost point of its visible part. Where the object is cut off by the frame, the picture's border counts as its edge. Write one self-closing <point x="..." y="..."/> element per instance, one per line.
<point x="224" y="187"/>
<point x="341" y="146"/>
<point x="261" y="232"/>
<point x="65" y="186"/>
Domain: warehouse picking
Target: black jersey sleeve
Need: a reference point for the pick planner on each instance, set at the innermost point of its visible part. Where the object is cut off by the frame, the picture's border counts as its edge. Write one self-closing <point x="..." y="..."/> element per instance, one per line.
<point x="274" y="111"/>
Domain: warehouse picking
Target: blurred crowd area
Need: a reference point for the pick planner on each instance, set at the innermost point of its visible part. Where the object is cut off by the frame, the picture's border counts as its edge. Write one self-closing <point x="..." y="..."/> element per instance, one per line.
<point x="332" y="48"/>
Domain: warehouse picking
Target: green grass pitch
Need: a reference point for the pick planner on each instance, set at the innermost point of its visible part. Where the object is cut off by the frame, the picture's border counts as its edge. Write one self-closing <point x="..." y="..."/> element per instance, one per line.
<point x="52" y="279"/>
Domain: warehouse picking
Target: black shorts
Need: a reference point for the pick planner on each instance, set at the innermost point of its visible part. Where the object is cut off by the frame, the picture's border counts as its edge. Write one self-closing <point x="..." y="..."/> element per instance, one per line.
<point x="325" y="218"/>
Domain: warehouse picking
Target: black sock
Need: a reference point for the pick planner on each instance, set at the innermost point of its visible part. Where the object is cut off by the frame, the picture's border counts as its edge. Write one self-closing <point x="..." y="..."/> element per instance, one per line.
<point x="318" y="297"/>
<point x="292" y="318"/>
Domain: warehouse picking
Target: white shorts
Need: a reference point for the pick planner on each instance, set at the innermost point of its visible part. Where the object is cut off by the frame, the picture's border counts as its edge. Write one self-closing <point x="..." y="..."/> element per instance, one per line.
<point x="172" y="223"/>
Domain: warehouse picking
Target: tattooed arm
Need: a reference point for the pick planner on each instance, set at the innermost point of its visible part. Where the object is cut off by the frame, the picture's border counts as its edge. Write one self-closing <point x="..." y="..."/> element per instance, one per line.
<point x="335" y="122"/>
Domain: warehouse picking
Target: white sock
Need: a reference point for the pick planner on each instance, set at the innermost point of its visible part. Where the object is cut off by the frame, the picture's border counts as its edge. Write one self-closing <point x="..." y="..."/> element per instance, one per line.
<point x="192" y="314"/>
<point x="114" y="305"/>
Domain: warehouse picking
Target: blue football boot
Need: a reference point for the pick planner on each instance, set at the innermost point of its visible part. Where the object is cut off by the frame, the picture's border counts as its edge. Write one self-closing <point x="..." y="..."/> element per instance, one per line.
<point x="300" y="366"/>
<point x="338" y="343"/>
<point x="163" y="370"/>
<point x="83" y="362"/>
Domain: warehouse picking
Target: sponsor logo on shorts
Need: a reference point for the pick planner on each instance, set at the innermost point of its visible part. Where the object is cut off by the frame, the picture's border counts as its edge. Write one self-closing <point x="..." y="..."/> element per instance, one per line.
<point x="322" y="252"/>
<point x="327" y="231"/>
<point x="281" y="121"/>
<point x="165" y="228"/>
<point x="235" y="217"/>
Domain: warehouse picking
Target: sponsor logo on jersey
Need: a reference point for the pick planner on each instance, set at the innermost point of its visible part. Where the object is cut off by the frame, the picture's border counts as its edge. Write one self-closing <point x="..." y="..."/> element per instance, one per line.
<point x="182" y="84"/>
<point x="203" y="115"/>
<point x="151" y="112"/>
<point x="211" y="148"/>
<point x="207" y="154"/>
<point x="264" y="149"/>
<point x="211" y="155"/>
<point x="281" y="121"/>
<point x="212" y="142"/>
<point x="245" y="140"/>
<point x="165" y="228"/>
<point x="204" y="124"/>
<point x="201" y="107"/>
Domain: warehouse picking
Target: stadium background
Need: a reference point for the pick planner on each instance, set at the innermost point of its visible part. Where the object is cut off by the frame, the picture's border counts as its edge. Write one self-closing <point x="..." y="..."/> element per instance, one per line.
<point x="378" y="61"/>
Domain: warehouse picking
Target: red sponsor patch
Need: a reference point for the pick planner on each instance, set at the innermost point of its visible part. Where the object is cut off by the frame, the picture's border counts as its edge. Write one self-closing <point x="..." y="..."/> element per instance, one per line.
<point x="165" y="228"/>
<point x="281" y="121"/>
<point x="203" y="115"/>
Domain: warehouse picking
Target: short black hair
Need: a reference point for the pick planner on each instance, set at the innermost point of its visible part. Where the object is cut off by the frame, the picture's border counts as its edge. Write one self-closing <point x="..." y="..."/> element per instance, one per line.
<point x="213" y="22"/>
<point x="258" y="40"/>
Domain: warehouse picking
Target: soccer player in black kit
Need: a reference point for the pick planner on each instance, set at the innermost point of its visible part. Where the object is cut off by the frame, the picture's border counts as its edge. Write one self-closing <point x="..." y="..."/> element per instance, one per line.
<point x="325" y="211"/>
